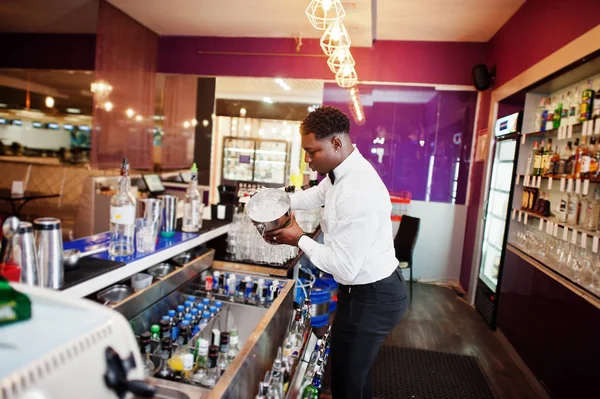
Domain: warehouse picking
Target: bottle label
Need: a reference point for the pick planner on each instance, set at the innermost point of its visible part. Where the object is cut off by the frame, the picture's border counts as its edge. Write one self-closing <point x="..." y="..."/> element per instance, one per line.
<point x="585" y="164"/>
<point x="563" y="205"/>
<point x="191" y="212"/>
<point x="122" y="214"/>
<point x="545" y="162"/>
<point x="572" y="207"/>
<point x="537" y="161"/>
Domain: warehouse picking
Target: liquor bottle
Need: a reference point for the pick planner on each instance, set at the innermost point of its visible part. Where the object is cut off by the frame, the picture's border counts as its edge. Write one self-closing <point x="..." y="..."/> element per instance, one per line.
<point x="587" y="99"/>
<point x="583" y="212"/>
<point x="165" y="349"/>
<point x="201" y="360"/>
<point x="573" y="209"/>
<point x="188" y="366"/>
<point x="533" y="195"/>
<point x="582" y="161"/>
<point x="564" y="160"/>
<point x="563" y="207"/>
<point x="293" y="340"/>
<point x="571" y="162"/>
<point x="537" y="159"/>
<point x="122" y="216"/>
<point x="546" y="155"/>
<point x="192" y="204"/>
<point x="550" y="116"/>
<point x="594" y="212"/>
<point x="525" y="198"/>
<point x="210" y="378"/>
<point x="315" y="357"/>
<point x="234" y="348"/>
<point x="546" y="208"/>
<point x="165" y="327"/>
<point x="557" y="116"/>
<point x="276" y="382"/>
<point x="145" y="344"/>
<point x="593" y="160"/>
<point x="306" y="318"/>
<point x="564" y="116"/>
<point x="184" y="333"/>
<point x="596" y="108"/>
<point x="555" y="163"/>
<point x="205" y="303"/>
<point x="223" y="360"/>
<point x="313" y="391"/>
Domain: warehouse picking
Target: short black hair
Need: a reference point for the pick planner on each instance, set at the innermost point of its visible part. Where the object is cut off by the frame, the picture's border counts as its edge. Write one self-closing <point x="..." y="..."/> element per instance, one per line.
<point x="325" y="121"/>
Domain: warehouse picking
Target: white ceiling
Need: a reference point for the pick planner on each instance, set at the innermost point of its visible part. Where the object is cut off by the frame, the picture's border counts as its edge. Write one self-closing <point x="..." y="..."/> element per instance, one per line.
<point x="49" y="16"/>
<point x="304" y="91"/>
<point x="431" y="20"/>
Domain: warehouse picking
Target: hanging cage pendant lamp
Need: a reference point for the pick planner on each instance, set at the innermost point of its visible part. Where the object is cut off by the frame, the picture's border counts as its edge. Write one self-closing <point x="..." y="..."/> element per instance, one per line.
<point x="335" y="37"/>
<point x="339" y="56"/>
<point x="322" y="13"/>
<point x="346" y="76"/>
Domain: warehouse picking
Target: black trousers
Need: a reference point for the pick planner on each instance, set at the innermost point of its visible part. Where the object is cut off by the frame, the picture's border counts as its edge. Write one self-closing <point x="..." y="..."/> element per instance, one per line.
<point x="365" y="315"/>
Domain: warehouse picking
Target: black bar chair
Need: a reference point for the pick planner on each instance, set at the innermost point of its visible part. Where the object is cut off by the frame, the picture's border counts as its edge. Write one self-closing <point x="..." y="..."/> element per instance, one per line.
<point x="405" y="242"/>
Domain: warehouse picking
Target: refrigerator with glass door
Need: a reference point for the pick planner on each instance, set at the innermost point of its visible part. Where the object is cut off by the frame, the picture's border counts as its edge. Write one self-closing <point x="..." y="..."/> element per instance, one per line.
<point x="499" y="198"/>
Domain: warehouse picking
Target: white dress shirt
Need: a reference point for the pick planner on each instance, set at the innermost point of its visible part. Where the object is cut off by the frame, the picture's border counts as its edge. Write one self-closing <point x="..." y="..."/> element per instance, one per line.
<point x="358" y="240"/>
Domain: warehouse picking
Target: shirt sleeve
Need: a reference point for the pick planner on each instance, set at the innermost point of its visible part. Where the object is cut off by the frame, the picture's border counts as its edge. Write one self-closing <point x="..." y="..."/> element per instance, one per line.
<point x="349" y="243"/>
<point x="312" y="198"/>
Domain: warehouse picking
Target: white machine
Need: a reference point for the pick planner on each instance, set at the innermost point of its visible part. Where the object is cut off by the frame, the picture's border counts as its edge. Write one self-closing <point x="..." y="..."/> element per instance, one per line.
<point x="70" y="348"/>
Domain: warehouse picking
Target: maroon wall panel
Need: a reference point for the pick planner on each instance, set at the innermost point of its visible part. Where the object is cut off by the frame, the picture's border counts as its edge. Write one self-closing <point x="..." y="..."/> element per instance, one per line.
<point x="536" y="30"/>
<point x="392" y="61"/>
<point x="46" y="51"/>
<point x="126" y="59"/>
<point x="179" y="107"/>
<point x="554" y="330"/>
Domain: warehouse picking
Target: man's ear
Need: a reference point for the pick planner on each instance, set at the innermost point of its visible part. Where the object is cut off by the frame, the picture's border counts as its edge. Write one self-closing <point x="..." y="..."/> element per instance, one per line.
<point x="337" y="143"/>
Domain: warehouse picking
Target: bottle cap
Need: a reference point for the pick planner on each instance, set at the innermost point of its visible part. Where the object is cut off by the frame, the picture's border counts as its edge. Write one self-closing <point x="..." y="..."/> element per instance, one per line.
<point x="194" y="311"/>
<point x="218" y="304"/>
<point x="165" y="322"/>
<point x="206" y="314"/>
<point x="248" y="278"/>
<point x="192" y="298"/>
<point x="188" y="361"/>
<point x="187" y="304"/>
<point x="216" y="273"/>
<point x="185" y="323"/>
<point x="167" y="318"/>
<point x="194" y="168"/>
<point x="212" y="309"/>
<point x="145" y="335"/>
<point x="187" y="317"/>
<point x="171" y="313"/>
<point x="155" y="328"/>
<point x="206" y="301"/>
<point x="180" y="308"/>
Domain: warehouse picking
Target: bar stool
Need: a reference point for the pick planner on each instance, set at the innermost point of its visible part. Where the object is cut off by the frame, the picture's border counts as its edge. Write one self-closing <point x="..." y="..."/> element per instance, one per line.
<point x="405" y="242"/>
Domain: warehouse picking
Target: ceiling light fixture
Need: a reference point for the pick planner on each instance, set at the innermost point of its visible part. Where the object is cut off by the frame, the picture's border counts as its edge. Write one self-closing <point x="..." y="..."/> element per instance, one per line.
<point x="338" y="57"/>
<point x="73" y="110"/>
<point x="346" y="75"/>
<point x="49" y="102"/>
<point x="335" y="37"/>
<point x="130" y="113"/>
<point x="322" y="13"/>
<point x="101" y="88"/>
<point x="267" y="100"/>
<point x="108" y="106"/>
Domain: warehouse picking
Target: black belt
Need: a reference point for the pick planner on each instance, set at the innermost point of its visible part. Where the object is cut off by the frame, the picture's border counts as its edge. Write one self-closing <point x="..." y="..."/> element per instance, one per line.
<point x="369" y="286"/>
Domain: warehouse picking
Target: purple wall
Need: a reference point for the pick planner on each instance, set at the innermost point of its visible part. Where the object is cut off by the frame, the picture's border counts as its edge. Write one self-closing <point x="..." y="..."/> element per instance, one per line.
<point x="404" y="116"/>
<point x="386" y="61"/>
<point x="46" y="51"/>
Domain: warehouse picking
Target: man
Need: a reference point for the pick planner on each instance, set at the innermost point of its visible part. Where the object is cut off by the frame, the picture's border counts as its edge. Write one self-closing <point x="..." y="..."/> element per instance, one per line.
<point x="358" y="248"/>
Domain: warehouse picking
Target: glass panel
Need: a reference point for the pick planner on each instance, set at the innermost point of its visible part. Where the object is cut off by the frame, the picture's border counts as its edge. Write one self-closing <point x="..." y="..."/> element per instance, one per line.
<point x="238" y="159"/>
<point x="271" y="162"/>
<point x="506" y="150"/>
<point x="498" y="204"/>
<point x="502" y="176"/>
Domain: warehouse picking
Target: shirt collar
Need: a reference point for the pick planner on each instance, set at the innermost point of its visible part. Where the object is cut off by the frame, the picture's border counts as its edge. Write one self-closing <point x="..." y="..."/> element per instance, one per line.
<point x="346" y="166"/>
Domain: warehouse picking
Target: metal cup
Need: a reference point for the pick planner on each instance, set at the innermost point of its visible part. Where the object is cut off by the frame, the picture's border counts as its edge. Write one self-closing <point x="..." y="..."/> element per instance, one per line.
<point x="48" y="237"/>
<point x="25" y="255"/>
<point x="169" y="215"/>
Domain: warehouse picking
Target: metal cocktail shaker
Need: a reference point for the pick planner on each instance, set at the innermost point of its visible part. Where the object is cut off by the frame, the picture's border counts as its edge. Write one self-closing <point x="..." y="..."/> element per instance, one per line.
<point x="48" y="237"/>
<point x="25" y="255"/>
<point x="169" y="215"/>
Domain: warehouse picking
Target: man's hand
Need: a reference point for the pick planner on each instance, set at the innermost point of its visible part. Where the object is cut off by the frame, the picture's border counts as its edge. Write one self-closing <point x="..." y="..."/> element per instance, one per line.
<point x="288" y="235"/>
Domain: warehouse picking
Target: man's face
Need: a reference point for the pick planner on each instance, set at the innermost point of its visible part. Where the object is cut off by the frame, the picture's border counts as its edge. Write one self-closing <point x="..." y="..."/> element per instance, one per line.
<point x="320" y="154"/>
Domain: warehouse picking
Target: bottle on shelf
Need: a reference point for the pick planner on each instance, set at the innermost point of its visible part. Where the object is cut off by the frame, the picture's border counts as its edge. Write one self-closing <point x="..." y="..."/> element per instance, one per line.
<point x="573" y="209"/>
<point x="210" y="378"/>
<point x="276" y="382"/>
<point x="587" y="99"/>
<point x="122" y="216"/>
<point x="165" y="348"/>
<point x="593" y="212"/>
<point x="533" y="195"/>
<point x="192" y="204"/>
<point x="313" y="390"/>
<point x="563" y="208"/>
<point x="223" y="359"/>
<point x="596" y="108"/>
<point x="234" y="348"/>
<point x="572" y="161"/>
<point x="583" y="212"/>
<point x="550" y="115"/>
<point x="582" y="161"/>
<point x="554" y="163"/>
<point x="593" y="169"/>
<point x="564" y="116"/>
<point x="564" y="159"/>
<point x="546" y="156"/>
<point x="557" y="117"/>
<point x="537" y="159"/>
<point x="294" y="338"/>
<point x="201" y="360"/>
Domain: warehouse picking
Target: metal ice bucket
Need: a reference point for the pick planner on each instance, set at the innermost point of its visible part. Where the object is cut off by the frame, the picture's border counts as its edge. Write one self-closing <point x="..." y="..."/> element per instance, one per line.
<point x="269" y="210"/>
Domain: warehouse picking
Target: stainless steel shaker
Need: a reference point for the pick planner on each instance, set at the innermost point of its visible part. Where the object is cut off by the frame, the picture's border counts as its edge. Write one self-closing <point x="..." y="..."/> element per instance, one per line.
<point x="25" y="255"/>
<point x="169" y="215"/>
<point x="48" y="237"/>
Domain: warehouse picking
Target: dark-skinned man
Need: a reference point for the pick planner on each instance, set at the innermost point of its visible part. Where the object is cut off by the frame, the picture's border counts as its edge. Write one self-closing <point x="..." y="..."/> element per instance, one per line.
<point x="358" y="248"/>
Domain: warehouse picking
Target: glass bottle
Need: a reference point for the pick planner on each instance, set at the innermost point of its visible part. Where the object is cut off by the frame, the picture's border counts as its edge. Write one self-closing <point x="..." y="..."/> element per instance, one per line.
<point x="593" y="168"/>
<point x="564" y="159"/>
<point x="587" y="98"/>
<point x="571" y="162"/>
<point x="563" y="207"/>
<point x="234" y="348"/>
<point x="554" y="163"/>
<point x="573" y="209"/>
<point x="574" y="107"/>
<point x="184" y="333"/>
<point x="276" y="382"/>
<point x="582" y="161"/>
<point x="165" y="327"/>
<point x="223" y="360"/>
<point x="594" y="212"/>
<point x="173" y="324"/>
<point x="188" y="366"/>
<point x="537" y="159"/>
<point x="546" y="156"/>
<point x="145" y="343"/>
<point x="122" y="216"/>
<point x="192" y="204"/>
<point x="210" y="378"/>
<point x="180" y="313"/>
<point x="293" y="341"/>
<point x="201" y="360"/>
<point x="583" y="212"/>
<point x="165" y="349"/>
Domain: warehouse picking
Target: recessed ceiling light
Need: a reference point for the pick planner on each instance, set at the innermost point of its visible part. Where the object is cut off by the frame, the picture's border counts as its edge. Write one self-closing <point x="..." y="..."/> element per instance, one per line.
<point x="268" y="100"/>
<point x="73" y="110"/>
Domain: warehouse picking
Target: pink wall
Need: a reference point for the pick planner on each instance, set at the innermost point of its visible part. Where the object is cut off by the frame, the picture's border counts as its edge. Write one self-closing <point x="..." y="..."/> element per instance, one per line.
<point x="536" y="30"/>
<point x="393" y="61"/>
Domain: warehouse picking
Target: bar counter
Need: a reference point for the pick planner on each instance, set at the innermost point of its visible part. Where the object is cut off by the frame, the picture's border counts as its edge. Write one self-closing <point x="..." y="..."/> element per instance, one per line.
<point x="117" y="269"/>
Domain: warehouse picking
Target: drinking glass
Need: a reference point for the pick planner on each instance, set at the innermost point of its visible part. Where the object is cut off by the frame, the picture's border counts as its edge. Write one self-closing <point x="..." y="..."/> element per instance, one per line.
<point x="146" y="231"/>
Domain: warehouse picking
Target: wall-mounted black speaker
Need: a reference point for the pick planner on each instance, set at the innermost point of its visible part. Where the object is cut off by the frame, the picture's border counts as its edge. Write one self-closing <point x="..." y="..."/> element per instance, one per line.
<point x="482" y="78"/>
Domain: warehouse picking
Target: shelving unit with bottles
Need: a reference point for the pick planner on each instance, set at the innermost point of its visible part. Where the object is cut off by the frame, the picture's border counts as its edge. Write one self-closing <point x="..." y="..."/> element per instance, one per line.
<point x="555" y="212"/>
